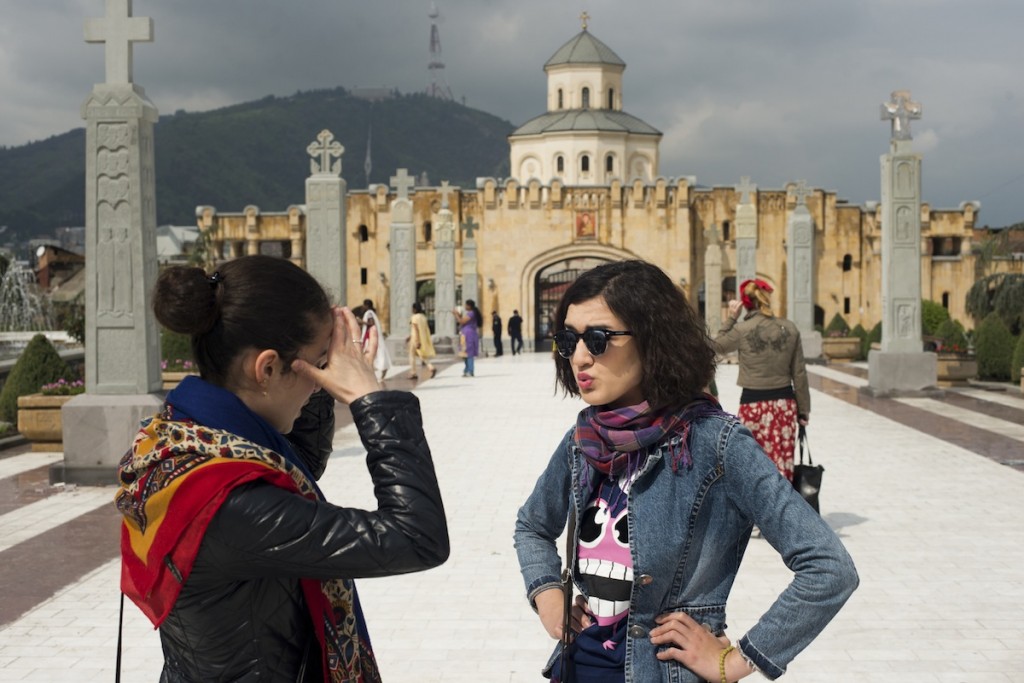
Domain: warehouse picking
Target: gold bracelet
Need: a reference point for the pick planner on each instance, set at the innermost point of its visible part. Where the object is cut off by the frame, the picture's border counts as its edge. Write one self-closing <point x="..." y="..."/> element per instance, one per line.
<point x="721" y="662"/>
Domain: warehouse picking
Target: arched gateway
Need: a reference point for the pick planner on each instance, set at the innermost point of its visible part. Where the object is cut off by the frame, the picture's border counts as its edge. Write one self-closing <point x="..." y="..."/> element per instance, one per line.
<point x="549" y="284"/>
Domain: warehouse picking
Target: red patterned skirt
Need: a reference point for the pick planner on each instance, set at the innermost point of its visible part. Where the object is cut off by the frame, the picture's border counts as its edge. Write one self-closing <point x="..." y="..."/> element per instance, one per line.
<point x="774" y="426"/>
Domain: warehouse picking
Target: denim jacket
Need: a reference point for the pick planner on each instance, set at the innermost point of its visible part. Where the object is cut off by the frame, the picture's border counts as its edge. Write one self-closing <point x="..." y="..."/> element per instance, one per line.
<point x="688" y="531"/>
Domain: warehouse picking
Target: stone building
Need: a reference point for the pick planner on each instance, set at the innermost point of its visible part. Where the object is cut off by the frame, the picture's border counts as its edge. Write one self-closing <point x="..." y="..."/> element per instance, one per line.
<point x="587" y="188"/>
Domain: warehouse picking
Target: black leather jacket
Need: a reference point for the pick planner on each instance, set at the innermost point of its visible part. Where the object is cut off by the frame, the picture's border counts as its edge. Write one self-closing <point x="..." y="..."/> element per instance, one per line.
<point x="241" y="616"/>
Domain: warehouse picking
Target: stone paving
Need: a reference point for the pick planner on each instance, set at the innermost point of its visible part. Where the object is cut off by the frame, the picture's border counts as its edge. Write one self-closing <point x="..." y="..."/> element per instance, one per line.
<point x="936" y="530"/>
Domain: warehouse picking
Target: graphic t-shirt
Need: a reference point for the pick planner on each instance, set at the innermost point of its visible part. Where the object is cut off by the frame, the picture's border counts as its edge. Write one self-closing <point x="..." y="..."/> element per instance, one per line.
<point x="599" y="652"/>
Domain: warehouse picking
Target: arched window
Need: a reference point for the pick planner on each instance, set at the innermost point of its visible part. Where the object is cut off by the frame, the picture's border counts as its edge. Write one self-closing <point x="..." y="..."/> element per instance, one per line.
<point x="585" y="164"/>
<point x="847" y="263"/>
<point x="560" y="164"/>
<point x="428" y="231"/>
<point x="945" y="300"/>
<point x="611" y="98"/>
<point x="609" y="163"/>
<point x="561" y="99"/>
<point x="364" y="233"/>
<point x="586" y="98"/>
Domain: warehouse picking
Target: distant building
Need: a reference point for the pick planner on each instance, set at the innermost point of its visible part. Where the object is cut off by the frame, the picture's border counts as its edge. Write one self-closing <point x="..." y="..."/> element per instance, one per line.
<point x="56" y="266"/>
<point x="587" y="188"/>
<point x="175" y="244"/>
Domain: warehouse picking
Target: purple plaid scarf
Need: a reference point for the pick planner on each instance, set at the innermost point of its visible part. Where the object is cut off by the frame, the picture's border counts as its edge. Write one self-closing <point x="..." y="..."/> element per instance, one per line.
<point x="618" y="440"/>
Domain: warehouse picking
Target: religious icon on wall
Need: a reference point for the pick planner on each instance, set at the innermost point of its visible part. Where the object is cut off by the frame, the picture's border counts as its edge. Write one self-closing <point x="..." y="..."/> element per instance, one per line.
<point x="586" y="224"/>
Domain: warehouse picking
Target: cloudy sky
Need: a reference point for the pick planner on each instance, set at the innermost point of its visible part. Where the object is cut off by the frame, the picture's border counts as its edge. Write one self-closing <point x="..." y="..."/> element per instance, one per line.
<point x="777" y="90"/>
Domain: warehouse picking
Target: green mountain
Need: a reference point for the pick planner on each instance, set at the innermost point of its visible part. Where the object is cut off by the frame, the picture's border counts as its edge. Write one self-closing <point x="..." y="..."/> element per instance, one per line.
<point x="255" y="153"/>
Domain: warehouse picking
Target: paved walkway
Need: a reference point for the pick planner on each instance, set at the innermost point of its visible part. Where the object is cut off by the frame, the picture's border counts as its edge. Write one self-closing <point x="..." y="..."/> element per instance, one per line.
<point x="917" y="490"/>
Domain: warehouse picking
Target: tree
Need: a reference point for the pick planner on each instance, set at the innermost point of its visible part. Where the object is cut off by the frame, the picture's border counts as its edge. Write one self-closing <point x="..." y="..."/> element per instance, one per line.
<point x="1002" y="294"/>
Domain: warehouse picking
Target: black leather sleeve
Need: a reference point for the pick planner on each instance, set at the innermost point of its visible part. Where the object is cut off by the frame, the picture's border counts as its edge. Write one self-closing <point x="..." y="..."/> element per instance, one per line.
<point x="262" y="530"/>
<point x="313" y="433"/>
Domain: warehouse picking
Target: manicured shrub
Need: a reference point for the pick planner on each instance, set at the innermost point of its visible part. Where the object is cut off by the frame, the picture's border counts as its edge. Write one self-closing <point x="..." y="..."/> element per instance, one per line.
<point x="993" y="348"/>
<point x="837" y="327"/>
<point x="862" y="334"/>
<point x="175" y="348"/>
<point x="932" y="315"/>
<point x="37" y="365"/>
<point x="1017" y="361"/>
<point x="951" y="336"/>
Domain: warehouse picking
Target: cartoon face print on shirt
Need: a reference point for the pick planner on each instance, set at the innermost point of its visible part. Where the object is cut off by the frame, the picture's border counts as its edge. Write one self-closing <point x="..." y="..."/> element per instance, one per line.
<point x="604" y="558"/>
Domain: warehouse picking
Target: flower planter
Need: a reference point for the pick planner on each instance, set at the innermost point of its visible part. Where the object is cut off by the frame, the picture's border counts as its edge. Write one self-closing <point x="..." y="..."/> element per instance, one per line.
<point x="171" y="379"/>
<point x="39" y="421"/>
<point x="840" y="348"/>
<point x="955" y="370"/>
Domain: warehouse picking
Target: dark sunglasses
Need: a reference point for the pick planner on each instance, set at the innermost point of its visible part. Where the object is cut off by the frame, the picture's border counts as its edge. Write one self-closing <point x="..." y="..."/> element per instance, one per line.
<point x="596" y="341"/>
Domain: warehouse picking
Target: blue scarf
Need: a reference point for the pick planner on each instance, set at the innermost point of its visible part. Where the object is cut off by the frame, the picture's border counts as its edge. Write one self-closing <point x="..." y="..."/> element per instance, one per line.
<point x="211" y="406"/>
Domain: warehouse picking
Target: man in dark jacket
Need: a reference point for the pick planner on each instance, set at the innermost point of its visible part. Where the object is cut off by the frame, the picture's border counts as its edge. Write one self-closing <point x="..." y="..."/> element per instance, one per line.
<point x="515" y="331"/>
<point x="496" y="330"/>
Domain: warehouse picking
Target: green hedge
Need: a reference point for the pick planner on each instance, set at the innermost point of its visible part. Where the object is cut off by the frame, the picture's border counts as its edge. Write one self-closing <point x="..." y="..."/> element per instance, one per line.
<point x="993" y="348"/>
<point x="37" y="365"/>
<point x="859" y="332"/>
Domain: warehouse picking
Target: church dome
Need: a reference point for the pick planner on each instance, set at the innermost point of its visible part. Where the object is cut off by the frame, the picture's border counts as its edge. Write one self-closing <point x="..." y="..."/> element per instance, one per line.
<point x="584" y="48"/>
<point x="585" y="120"/>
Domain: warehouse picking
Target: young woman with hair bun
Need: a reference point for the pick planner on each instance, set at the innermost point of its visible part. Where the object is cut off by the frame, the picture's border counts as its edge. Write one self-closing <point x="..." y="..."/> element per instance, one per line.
<point x="228" y="545"/>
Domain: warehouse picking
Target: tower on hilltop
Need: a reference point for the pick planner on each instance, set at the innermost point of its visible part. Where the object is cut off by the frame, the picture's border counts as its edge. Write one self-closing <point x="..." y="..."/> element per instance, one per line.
<point x="438" y="85"/>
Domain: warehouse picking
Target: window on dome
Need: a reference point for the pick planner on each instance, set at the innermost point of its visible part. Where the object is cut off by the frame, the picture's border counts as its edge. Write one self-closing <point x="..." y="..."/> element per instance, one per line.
<point x="611" y="98"/>
<point x="560" y="164"/>
<point x="561" y="99"/>
<point x="586" y="98"/>
<point x="585" y="164"/>
<point x="609" y="163"/>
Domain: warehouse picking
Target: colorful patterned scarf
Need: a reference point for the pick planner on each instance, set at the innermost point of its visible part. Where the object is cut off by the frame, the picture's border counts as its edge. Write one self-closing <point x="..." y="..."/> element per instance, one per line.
<point x="178" y="472"/>
<point x="618" y="440"/>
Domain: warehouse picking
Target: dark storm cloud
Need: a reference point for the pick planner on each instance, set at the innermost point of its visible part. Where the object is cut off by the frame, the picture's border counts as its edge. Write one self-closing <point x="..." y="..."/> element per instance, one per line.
<point x="777" y="90"/>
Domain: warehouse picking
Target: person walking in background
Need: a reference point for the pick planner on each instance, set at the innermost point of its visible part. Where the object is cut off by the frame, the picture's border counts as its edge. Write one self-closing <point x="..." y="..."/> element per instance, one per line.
<point x="775" y="397"/>
<point x="420" y="344"/>
<point x="515" y="332"/>
<point x="661" y="488"/>
<point x="382" y="360"/>
<point x="470" y="323"/>
<point x="228" y="545"/>
<point x="496" y="331"/>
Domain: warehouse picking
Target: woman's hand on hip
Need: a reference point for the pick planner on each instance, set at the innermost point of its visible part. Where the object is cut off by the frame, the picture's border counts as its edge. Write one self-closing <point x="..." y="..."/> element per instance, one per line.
<point x="687" y="642"/>
<point x="348" y="373"/>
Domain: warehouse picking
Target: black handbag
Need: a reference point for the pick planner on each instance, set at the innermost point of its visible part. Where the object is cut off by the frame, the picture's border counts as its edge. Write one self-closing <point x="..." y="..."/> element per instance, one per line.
<point x="807" y="478"/>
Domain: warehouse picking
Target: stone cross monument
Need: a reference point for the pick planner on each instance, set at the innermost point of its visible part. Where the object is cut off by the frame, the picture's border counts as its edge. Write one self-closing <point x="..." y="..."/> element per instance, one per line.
<point x="800" y="281"/>
<point x="746" y="232"/>
<point x="470" y="290"/>
<point x="403" y="260"/>
<point x="901" y="366"/>
<point x="325" y="216"/>
<point x="122" y="338"/>
<point x="444" y="279"/>
<point x="713" y="281"/>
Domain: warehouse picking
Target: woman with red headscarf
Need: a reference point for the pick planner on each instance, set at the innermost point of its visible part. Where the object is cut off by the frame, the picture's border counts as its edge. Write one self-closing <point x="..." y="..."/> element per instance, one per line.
<point x="775" y="395"/>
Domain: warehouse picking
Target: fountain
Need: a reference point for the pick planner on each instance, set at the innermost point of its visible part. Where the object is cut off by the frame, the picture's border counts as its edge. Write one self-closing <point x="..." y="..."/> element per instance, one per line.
<point x="24" y="311"/>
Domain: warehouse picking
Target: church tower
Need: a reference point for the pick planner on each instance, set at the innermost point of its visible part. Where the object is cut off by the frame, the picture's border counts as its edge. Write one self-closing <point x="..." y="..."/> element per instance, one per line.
<point x="585" y="138"/>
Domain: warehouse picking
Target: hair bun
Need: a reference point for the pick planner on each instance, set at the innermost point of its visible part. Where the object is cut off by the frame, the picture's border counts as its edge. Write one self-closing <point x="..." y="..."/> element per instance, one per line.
<point x="185" y="299"/>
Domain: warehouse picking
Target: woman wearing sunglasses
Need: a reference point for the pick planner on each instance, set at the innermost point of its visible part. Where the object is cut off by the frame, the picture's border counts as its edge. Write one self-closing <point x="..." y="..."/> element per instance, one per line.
<point x="660" y="489"/>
